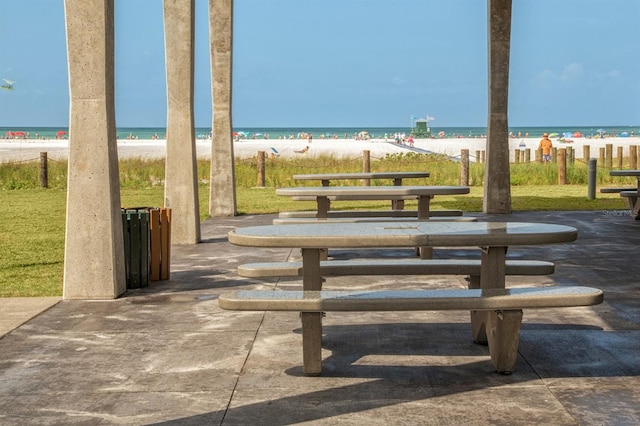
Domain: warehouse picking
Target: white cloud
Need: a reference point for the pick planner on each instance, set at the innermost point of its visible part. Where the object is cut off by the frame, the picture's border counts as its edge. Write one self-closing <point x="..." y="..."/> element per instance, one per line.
<point x="571" y="73"/>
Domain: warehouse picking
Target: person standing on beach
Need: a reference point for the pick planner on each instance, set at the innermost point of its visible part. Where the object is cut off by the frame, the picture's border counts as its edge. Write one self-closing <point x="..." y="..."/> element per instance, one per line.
<point x="545" y="146"/>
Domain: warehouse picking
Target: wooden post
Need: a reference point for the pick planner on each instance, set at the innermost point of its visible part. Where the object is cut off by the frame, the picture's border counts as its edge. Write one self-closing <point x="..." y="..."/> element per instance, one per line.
<point x="516" y="156"/>
<point x="620" y="157"/>
<point x="482" y="157"/>
<point x="608" y="149"/>
<point x="633" y="157"/>
<point x="478" y="156"/>
<point x="602" y="155"/>
<point x="464" y="167"/>
<point x="538" y="155"/>
<point x="366" y="166"/>
<point x="586" y="153"/>
<point x="527" y="155"/>
<point x="44" y="170"/>
<point x="571" y="154"/>
<point x="562" y="166"/>
<point x="261" y="169"/>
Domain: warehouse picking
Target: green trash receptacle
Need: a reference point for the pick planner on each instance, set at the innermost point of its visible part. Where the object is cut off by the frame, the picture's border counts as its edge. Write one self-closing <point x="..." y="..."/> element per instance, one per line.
<point x="135" y="226"/>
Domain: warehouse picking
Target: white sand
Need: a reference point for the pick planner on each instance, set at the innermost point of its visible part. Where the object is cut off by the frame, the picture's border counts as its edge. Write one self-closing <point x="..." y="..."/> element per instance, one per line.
<point x="26" y="150"/>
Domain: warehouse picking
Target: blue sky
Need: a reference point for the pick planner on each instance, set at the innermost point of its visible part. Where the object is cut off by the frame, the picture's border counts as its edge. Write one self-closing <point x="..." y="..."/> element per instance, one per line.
<point x="374" y="63"/>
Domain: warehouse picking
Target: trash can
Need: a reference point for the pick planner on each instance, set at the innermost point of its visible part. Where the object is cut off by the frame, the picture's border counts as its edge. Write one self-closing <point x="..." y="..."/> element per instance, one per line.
<point x="147" y="245"/>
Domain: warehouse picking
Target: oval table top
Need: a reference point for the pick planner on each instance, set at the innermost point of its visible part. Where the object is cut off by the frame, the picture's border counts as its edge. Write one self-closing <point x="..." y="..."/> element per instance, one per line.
<point x="395" y="234"/>
<point x="362" y="175"/>
<point x="326" y="191"/>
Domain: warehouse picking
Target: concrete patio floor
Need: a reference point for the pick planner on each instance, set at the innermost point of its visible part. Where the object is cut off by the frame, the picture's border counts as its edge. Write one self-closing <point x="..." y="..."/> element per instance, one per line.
<point x="167" y="354"/>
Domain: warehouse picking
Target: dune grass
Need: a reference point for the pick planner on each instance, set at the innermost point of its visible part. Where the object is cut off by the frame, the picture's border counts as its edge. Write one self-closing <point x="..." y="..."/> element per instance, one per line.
<point x="33" y="219"/>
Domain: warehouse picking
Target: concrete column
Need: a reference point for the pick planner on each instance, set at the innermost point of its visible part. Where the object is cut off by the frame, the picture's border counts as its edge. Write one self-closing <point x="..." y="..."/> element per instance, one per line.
<point x="497" y="186"/>
<point x="181" y="176"/>
<point x="94" y="253"/>
<point x="222" y="197"/>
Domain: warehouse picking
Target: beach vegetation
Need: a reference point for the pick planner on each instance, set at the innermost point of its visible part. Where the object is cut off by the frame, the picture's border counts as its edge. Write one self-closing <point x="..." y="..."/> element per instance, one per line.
<point x="33" y="218"/>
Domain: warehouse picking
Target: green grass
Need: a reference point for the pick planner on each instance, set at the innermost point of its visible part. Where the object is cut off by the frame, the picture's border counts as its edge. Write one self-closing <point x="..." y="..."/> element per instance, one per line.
<point x="33" y="219"/>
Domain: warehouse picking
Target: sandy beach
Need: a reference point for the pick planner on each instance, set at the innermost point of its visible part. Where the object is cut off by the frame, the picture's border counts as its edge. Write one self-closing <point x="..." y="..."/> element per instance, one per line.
<point x="21" y="150"/>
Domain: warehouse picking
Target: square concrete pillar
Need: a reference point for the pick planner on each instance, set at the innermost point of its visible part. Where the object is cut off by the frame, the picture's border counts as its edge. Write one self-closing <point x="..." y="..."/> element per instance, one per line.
<point x="94" y="253"/>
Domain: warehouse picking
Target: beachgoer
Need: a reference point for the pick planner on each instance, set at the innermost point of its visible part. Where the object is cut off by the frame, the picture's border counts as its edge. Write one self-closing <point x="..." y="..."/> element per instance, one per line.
<point x="545" y="146"/>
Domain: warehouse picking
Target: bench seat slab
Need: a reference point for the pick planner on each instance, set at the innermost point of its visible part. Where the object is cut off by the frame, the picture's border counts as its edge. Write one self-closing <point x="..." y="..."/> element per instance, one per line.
<point x="411" y="300"/>
<point x="392" y="267"/>
<point x="501" y="308"/>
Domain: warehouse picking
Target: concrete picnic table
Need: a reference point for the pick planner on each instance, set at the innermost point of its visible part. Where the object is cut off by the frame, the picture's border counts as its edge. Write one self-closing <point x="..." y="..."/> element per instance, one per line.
<point x="323" y="193"/>
<point x="493" y="237"/>
<point x="397" y="177"/>
<point x="632" y="196"/>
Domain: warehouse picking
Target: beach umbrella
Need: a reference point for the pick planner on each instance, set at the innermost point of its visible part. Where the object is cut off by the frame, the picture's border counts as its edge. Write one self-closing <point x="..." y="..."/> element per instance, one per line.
<point x="567" y="135"/>
<point x="60" y="134"/>
<point x="577" y="134"/>
<point x="600" y="131"/>
<point x="553" y="135"/>
<point x="624" y="134"/>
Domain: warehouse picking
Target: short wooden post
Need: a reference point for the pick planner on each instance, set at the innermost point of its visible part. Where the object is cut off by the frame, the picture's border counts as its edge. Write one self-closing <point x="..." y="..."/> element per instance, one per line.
<point x="562" y="166"/>
<point x="620" y="157"/>
<point x="571" y="155"/>
<point x="366" y="166"/>
<point x="516" y="156"/>
<point x="527" y="155"/>
<point x="482" y="156"/>
<point x="478" y="156"/>
<point x="261" y="168"/>
<point x="554" y="155"/>
<point x="608" y="148"/>
<point x="602" y="155"/>
<point x="464" y="167"/>
<point x="522" y="155"/>
<point x="586" y="153"/>
<point x="44" y="170"/>
<point x="633" y="157"/>
<point x="539" y="155"/>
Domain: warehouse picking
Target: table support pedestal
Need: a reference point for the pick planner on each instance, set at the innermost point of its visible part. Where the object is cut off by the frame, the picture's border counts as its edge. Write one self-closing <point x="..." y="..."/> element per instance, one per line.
<point x="311" y="321"/>
<point x="492" y="273"/>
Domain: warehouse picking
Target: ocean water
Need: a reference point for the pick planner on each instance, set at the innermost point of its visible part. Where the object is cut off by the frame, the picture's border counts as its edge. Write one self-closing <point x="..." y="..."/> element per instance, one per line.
<point x="339" y="132"/>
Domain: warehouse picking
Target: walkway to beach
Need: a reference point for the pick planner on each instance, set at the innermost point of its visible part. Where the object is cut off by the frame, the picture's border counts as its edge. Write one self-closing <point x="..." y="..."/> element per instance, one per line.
<point x="168" y="354"/>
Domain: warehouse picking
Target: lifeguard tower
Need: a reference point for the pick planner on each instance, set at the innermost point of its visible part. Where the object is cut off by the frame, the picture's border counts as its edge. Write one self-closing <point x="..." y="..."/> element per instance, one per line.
<point x="421" y="129"/>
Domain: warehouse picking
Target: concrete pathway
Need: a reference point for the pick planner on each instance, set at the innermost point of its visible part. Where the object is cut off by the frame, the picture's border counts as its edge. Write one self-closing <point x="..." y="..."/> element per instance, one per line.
<point x="167" y="354"/>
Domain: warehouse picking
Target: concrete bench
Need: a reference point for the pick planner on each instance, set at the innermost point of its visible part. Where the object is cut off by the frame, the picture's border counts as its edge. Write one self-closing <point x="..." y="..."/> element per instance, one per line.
<point x="371" y="213"/>
<point x="302" y="220"/>
<point x="615" y="190"/>
<point x="502" y="310"/>
<point x="347" y="197"/>
<point x="470" y="267"/>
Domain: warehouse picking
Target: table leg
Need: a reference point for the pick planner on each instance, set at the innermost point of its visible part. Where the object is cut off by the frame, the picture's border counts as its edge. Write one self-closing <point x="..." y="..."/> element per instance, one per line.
<point x="311" y="321"/>
<point x="492" y="275"/>
<point x="504" y="338"/>
<point x="323" y="207"/>
<point x="423" y="214"/>
<point x="397" y="204"/>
